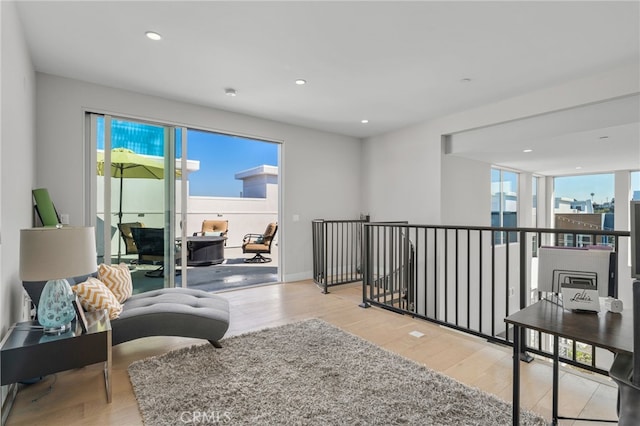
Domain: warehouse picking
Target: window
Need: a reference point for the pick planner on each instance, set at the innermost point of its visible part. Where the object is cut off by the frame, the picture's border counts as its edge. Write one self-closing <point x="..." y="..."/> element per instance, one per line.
<point x="583" y="203"/>
<point x="226" y="163"/>
<point x="504" y="203"/>
<point x="635" y="185"/>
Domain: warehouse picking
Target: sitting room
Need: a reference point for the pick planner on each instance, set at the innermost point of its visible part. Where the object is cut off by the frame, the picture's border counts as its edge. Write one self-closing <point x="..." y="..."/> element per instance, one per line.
<point x="394" y="115"/>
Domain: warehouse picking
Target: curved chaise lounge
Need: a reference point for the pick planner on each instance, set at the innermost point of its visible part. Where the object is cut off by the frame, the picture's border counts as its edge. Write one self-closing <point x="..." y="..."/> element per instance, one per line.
<point x="166" y="312"/>
<point x="172" y="312"/>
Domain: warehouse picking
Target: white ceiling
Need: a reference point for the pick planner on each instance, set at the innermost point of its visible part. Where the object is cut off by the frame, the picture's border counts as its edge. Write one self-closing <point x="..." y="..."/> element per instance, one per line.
<point x="393" y="63"/>
<point x="595" y="138"/>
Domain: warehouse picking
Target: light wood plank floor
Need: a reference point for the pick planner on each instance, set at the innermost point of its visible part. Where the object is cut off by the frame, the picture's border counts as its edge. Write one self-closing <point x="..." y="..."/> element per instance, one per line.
<point x="77" y="397"/>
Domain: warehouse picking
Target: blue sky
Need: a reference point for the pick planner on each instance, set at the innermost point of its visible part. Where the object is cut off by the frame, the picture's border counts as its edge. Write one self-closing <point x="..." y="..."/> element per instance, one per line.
<point x="576" y="187"/>
<point x="221" y="157"/>
<point x="581" y="187"/>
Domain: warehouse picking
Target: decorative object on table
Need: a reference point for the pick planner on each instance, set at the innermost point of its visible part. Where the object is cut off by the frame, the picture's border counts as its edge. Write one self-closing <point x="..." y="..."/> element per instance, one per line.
<point x="306" y="363"/>
<point x="54" y="254"/>
<point x="581" y="297"/>
<point x="126" y="164"/>
<point x="44" y="207"/>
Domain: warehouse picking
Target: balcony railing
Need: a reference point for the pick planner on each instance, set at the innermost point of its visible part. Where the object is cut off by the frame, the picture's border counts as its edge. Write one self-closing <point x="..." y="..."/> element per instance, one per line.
<point x="466" y="279"/>
<point x="337" y="252"/>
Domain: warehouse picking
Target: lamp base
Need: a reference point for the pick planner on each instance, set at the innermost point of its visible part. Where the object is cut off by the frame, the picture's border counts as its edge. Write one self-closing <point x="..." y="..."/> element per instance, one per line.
<point x="57" y="330"/>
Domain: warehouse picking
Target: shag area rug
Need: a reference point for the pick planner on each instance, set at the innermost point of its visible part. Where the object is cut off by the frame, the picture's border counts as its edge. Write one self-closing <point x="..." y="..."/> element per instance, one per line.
<point x="305" y="373"/>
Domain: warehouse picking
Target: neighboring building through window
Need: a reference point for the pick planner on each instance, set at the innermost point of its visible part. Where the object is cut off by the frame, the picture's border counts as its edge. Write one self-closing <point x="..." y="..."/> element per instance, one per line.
<point x="583" y="203"/>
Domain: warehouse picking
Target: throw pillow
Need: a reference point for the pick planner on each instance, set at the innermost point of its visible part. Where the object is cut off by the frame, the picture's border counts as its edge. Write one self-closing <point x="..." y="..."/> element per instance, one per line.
<point x="95" y="296"/>
<point x="118" y="279"/>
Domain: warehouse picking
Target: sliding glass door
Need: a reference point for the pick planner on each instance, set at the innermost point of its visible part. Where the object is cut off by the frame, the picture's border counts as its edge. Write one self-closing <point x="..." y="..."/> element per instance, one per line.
<point x="135" y="193"/>
<point x="151" y="199"/>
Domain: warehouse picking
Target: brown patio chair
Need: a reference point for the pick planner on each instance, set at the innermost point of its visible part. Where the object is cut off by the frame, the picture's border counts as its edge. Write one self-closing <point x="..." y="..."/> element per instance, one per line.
<point x="214" y="228"/>
<point x="259" y="244"/>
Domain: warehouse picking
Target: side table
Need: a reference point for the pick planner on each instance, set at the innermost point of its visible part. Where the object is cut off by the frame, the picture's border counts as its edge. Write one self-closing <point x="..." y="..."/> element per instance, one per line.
<point x="26" y="352"/>
<point x="204" y="251"/>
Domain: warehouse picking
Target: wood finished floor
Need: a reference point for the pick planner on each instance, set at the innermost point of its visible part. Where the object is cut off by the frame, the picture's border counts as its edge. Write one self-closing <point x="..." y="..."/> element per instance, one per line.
<point x="77" y="397"/>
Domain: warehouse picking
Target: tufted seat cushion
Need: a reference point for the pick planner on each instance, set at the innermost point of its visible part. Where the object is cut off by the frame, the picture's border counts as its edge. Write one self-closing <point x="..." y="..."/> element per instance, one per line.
<point x="172" y="312"/>
<point x="166" y="312"/>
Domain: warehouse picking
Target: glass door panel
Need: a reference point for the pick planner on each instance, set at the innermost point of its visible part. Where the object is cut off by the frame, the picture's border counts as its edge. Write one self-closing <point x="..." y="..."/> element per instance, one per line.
<point x="134" y="198"/>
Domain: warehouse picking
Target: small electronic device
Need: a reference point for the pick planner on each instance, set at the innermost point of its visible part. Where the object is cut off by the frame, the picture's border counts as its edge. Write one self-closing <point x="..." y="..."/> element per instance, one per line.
<point x="613" y="305"/>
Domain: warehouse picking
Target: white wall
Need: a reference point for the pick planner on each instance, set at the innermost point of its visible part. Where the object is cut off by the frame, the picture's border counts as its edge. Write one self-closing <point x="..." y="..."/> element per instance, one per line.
<point x="466" y="192"/>
<point x="401" y="170"/>
<point x="17" y="158"/>
<point x="408" y="176"/>
<point x="320" y="171"/>
<point x="401" y="175"/>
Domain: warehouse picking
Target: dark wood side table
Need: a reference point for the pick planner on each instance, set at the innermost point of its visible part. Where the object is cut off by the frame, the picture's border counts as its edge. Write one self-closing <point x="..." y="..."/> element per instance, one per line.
<point x="604" y="330"/>
<point x="26" y="352"/>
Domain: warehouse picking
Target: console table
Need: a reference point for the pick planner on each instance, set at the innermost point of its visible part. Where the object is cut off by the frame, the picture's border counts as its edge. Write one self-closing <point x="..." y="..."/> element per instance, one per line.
<point x="604" y="330"/>
<point x="27" y="353"/>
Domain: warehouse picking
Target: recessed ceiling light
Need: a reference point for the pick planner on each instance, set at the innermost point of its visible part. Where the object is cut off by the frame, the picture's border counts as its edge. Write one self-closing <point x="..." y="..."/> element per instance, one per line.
<point x="230" y="92"/>
<point x="365" y="121"/>
<point x="527" y="150"/>
<point x="300" y="82"/>
<point x="152" y="35"/>
<point x="465" y="80"/>
<point x="604" y="137"/>
<point x="579" y="167"/>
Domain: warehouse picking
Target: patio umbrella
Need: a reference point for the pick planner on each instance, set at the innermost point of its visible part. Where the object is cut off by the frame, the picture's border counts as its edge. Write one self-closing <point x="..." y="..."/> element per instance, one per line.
<point x="127" y="164"/>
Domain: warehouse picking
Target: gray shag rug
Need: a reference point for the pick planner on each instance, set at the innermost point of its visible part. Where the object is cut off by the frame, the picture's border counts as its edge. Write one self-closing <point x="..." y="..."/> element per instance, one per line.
<point x="305" y="373"/>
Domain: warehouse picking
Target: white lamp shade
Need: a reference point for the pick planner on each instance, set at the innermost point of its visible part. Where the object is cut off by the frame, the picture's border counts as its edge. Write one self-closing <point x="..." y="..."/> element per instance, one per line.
<point x="54" y="253"/>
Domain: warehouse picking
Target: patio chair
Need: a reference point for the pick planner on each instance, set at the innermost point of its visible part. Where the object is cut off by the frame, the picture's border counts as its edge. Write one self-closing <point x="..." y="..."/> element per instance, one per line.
<point x="150" y="245"/>
<point x="214" y="228"/>
<point x="125" y="233"/>
<point x="259" y="244"/>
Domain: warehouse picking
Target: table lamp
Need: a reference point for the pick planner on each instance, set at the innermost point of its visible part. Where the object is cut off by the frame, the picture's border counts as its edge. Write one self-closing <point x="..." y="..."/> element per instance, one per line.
<point x="55" y="254"/>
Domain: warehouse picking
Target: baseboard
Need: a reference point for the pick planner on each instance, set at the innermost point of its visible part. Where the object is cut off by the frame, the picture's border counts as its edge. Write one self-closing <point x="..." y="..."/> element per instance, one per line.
<point x="301" y="276"/>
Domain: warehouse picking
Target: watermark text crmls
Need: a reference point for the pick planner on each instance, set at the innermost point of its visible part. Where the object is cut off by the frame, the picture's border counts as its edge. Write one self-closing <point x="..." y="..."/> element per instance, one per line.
<point x="205" y="417"/>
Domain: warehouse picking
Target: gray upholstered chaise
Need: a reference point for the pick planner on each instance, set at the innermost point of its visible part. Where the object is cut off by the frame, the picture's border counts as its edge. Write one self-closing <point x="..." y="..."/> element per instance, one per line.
<point x="172" y="312"/>
<point x="165" y="312"/>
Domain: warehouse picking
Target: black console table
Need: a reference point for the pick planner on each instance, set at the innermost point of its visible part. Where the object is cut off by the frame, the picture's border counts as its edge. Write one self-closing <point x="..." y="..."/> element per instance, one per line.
<point x="27" y="353"/>
<point x="604" y="330"/>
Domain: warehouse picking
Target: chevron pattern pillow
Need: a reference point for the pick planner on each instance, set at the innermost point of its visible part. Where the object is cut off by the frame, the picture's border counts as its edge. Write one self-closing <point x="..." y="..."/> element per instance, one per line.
<point x="118" y="279"/>
<point x="95" y="296"/>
